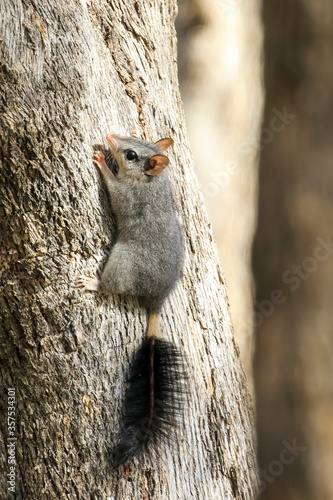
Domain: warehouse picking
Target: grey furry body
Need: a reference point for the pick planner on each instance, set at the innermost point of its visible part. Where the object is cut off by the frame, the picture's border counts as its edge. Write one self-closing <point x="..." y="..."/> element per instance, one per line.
<point x="147" y="257"/>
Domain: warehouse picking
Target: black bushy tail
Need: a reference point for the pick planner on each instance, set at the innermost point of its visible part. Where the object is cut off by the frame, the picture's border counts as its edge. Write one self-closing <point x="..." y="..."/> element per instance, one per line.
<point x="154" y="398"/>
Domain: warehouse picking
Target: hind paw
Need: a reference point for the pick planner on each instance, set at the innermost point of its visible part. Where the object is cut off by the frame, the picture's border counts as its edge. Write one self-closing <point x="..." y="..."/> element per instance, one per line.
<point x="87" y="283"/>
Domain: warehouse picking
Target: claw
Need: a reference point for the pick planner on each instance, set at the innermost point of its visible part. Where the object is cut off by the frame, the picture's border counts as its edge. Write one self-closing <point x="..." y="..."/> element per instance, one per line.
<point x="98" y="158"/>
<point x="87" y="283"/>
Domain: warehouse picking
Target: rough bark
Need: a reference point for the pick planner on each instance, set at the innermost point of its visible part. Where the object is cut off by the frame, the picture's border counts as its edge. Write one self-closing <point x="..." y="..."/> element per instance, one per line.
<point x="293" y="262"/>
<point x="69" y="72"/>
<point x="220" y="47"/>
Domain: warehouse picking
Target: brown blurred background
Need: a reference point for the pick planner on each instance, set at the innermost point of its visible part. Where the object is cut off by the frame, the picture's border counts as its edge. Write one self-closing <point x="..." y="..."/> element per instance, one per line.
<point x="269" y="190"/>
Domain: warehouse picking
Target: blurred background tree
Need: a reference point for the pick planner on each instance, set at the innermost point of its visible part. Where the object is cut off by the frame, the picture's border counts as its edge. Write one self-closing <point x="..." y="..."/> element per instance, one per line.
<point x="294" y="352"/>
<point x="220" y="73"/>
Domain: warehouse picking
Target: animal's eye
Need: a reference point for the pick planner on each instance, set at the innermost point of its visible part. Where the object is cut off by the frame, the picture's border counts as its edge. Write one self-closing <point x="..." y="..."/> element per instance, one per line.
<point x="131" y="155"/>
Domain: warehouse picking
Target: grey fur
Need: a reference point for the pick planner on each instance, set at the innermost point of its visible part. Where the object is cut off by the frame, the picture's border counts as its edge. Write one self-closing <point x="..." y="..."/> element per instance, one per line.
<point x="147" y="257"/>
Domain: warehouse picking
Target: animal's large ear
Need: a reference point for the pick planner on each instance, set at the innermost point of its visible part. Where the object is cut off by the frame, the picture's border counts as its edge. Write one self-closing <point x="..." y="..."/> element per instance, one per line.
<point x="163" y="144"/>
<point x="156" y="164"/>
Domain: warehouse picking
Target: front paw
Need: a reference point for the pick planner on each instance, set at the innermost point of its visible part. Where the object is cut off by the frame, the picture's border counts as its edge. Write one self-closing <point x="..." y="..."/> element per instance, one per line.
<point x="99" y="159"/>
<point x="87" y="283"/>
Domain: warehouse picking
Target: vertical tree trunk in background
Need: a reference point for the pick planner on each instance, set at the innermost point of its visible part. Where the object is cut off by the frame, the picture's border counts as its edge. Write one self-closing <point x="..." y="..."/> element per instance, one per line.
<point x="69" y="72"/>
<point x="220" y="44"/>
<point x="293" y="254"/>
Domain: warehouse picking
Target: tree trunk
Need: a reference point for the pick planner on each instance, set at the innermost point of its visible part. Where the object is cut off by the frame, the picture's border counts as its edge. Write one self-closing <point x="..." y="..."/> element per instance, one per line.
<point x="293" y="254"/>
<point x="69" y="73"/>
<point x="220" y="46"/>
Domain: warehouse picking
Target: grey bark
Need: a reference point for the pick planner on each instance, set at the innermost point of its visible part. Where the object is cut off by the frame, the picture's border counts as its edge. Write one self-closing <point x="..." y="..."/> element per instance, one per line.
<point x="69" y="72"/>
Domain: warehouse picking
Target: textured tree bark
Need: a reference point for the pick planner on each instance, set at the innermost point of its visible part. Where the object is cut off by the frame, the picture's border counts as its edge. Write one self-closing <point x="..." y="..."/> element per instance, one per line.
<point x="293" y="254"/>
<point x="69" y="72"/>
<point x="220" y="60"/>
